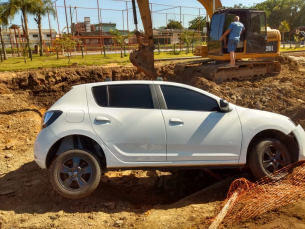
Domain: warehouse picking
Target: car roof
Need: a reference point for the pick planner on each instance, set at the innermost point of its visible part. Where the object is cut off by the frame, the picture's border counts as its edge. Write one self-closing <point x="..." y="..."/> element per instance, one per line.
<point x="148" y="82"/>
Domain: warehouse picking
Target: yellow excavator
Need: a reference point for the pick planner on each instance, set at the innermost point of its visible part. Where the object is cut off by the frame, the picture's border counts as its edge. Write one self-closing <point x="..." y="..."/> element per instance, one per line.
<point x="256" y="51"/>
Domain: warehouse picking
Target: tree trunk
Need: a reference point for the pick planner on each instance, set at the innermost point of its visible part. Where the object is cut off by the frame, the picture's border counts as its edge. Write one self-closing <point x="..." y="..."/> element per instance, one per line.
<point x="121" y="51"/>
<point x="27" y="36"/>
<point x="40" y="33"/>
<point x="3" y="46"/>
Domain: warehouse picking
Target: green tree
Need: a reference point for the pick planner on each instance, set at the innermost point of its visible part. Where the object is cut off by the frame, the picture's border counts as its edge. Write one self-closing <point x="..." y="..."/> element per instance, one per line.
<point x="187" y="37"/>
<point x="284" y="27"/>
<point x="281" y="10"/>
<point x="197" y="22"/>
<point x="3" y="22"/>
<point x="66" y="43"/>
<point x="299" y="19"/>
<point x="40" y="11"/>
<point x="239" y="6"/>
<point x="172" y="24"/>
<point x="298" y="40"/>
<point x="12" y="7"/>
<point x="119" y="38"/>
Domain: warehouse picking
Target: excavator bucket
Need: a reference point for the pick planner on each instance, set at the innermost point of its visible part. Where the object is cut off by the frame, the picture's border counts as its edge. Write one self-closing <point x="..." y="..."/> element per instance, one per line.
<point x="143" y="59"/>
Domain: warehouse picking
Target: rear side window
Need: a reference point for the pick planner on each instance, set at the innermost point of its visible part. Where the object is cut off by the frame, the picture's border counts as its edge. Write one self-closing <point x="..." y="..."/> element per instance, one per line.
<point x="123" y="96"/>
<point x="130" y="96"/>
<point x="177" y="98"/>
<point x="100" y="95"/>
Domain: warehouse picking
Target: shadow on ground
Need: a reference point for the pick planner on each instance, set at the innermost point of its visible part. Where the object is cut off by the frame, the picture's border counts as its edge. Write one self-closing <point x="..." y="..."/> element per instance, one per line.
<point x="28" y="190"/>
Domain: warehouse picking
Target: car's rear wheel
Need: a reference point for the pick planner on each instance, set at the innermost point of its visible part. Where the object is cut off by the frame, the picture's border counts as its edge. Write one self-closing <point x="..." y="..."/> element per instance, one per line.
<point x="75" y="173"/>
<point x="268" y="156"/>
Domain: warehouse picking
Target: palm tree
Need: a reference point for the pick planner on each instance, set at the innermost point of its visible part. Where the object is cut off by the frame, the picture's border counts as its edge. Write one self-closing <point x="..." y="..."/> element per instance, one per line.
<point x="3" y="22"/>
<point x="41" y="11"/>
<point x="11" y="7"/>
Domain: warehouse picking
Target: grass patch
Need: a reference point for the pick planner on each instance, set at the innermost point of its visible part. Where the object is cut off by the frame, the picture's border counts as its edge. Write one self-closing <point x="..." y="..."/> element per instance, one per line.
<point x="287" y="48"/>
<point x="17" y="63"/>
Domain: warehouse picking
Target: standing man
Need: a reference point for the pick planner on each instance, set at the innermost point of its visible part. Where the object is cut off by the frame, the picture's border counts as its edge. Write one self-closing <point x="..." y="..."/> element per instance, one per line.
<point x="235" y="29"/>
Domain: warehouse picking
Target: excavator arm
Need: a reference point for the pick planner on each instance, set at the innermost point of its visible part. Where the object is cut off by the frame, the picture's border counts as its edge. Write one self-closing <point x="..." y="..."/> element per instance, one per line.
<point x="143" y="58"/>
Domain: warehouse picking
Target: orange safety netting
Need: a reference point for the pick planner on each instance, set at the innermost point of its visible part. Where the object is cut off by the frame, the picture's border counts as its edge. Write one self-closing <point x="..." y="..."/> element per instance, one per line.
<point x="286" y="186"/>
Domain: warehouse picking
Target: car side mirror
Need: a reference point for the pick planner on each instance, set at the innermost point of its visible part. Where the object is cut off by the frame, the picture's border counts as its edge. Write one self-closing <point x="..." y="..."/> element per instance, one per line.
<point x="224" y="105"/>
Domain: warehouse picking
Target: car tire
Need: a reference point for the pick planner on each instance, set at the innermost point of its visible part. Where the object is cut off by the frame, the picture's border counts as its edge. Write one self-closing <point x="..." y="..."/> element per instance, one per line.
<point x="267" y="156"/>
<point x="75" y="173"/>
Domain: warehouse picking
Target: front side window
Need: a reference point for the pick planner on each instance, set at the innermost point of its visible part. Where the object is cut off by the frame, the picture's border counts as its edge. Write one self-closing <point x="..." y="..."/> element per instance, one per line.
<point x="123" y="96"/>
<point x="177" y="98"/>
<point x="216" y="27"/>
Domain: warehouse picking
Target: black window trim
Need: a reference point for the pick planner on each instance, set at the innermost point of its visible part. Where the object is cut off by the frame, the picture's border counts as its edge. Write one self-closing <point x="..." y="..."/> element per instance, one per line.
<point x="163" y="102"/>
<point x="153" y="93"/>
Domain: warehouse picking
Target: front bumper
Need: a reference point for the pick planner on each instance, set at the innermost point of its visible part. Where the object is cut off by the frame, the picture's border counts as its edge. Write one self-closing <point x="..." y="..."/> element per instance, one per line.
<point x="299" y="133"/>
<point x="44" y="141"/>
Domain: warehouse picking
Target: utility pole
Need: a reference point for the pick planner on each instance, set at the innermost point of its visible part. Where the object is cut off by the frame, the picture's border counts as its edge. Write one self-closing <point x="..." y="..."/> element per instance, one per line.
<point x="66" y="17"/>
<point x="127" y="15"/>
<point x="71" y="20"/>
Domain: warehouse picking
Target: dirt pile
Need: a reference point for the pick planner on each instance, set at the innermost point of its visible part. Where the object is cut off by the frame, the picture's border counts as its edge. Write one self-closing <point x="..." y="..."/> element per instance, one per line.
<point x="128" y="199"/>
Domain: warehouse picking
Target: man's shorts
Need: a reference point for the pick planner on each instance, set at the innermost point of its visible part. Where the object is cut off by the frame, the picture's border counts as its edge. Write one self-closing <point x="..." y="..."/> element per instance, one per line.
<point x="232" y="45"/>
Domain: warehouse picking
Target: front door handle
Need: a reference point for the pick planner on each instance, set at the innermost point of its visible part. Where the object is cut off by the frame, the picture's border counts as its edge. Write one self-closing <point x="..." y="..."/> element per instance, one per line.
<point x="176" y="121"/>
<point x="102" y="119"/>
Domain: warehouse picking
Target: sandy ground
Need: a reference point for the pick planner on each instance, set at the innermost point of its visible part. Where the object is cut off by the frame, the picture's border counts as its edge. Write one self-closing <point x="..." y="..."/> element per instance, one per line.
<point x="128" y="199"/>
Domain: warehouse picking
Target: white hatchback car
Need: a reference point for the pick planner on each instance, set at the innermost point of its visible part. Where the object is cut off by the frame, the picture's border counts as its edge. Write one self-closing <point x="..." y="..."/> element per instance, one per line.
<point x="157" y="125"/>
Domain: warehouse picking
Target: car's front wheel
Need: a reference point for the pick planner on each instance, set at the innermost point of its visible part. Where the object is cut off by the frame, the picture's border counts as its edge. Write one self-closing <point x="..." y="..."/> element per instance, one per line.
<point x="268" y="156"/>
<point x="75" y="173"/>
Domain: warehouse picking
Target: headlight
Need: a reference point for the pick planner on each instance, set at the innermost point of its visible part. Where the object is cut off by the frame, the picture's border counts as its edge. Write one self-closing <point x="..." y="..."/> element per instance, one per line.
<point x="49" y="117"/>
<point x="292" y="122"/>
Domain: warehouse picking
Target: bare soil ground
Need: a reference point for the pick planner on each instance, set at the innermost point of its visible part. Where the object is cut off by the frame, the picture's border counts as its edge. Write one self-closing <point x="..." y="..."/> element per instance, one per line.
<point x="128" y="199"/>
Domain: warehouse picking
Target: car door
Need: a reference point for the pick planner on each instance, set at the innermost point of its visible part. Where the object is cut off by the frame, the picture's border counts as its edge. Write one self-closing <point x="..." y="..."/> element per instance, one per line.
<point x="125" y="118"/>
<point x="196" y="130"/>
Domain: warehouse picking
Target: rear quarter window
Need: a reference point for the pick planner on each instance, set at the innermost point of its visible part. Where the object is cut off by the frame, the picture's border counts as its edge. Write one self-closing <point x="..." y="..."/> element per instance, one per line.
<point x="123" y="96"/>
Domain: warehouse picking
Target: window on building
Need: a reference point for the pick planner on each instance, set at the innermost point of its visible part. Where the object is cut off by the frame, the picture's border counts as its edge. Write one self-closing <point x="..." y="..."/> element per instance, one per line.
<point x="48" y="35"/>
<point x="35" y="35"/>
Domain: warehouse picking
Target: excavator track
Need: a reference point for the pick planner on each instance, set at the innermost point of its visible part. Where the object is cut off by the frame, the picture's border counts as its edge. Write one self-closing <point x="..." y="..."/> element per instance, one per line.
<point x="219" y="72"/>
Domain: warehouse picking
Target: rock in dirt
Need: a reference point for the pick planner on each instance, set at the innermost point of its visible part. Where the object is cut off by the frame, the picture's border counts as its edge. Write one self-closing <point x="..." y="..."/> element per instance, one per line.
<point x="110" y="205"/>
<point x="258" y="106"/>
<point x="118" y="223"/>
<point x="7" y="192"/>
<point x="8" y="155"/>
<point x="10" y="145"/>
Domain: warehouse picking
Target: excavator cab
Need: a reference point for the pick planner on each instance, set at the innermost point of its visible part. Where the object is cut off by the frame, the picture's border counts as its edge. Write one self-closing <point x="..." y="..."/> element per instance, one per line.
<point x="253" y="40"/>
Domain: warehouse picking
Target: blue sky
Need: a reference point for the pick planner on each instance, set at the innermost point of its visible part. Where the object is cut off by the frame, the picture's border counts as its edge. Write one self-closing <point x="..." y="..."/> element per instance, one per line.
<point x="115" y="11"/>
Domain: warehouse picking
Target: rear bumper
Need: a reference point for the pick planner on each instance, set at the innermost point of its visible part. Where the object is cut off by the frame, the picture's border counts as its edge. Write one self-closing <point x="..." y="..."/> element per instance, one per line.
<point x="299" y="133"/>
<point x="44" y="141"/>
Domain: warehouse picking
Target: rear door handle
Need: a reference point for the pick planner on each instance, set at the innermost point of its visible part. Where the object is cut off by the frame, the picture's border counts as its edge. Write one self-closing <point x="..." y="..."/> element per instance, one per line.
<point x="176" y="121"/>
<point x="102" y="119"/>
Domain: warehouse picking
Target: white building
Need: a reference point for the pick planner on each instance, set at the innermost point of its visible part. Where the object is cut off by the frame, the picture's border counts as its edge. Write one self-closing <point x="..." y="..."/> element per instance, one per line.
<point x="10" y="38"/>
<point x="171" y="36"/>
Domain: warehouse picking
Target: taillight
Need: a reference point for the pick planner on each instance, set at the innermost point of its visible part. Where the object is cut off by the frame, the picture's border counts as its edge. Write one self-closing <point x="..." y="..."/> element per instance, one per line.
<point x="49" y="117"/>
